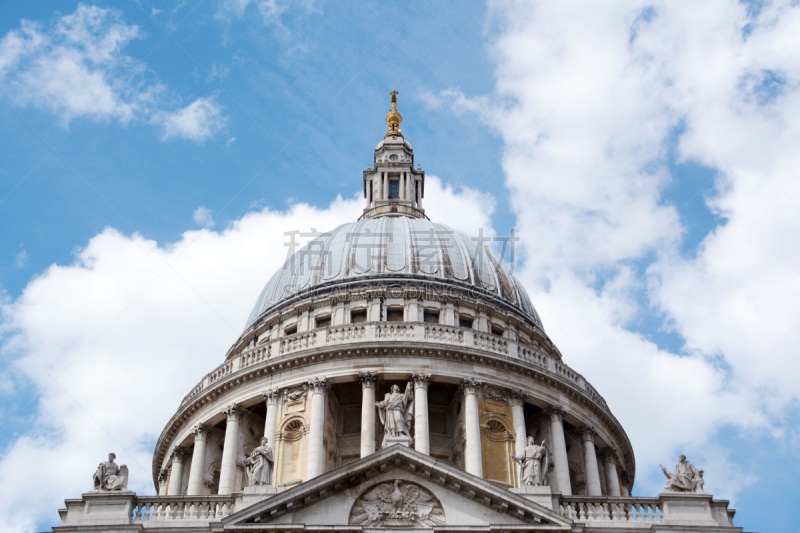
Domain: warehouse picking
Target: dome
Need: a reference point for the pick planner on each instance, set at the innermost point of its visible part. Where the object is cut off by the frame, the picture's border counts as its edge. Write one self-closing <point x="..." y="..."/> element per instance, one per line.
<point x="400" y="248"/>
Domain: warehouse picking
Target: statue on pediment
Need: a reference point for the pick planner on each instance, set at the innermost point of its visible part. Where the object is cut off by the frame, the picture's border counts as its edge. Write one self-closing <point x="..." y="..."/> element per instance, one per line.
<point x="685" y="478"/>
<point x="532" y="462"/>
<point x="397" y="411"/>
<point x="259" y="464"/>
<point x="111" y="476"/>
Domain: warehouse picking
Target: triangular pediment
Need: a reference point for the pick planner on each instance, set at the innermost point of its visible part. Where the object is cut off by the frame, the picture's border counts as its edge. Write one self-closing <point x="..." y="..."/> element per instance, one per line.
<point x="330" y="499"/>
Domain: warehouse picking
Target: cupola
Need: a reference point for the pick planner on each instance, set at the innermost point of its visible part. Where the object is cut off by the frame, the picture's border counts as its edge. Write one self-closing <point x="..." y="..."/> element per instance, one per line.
<point x="393" y="187"/>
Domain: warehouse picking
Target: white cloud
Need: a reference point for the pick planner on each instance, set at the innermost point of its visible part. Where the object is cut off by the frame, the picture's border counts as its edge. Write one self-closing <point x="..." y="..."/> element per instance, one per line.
<point x="21" y="259"/>
<point x="128" y="329"/>
<point x="198" y="121"/>
<point x="202" y="216"/>
<point x="588" y="99"/>
<point x="76" y="68"/>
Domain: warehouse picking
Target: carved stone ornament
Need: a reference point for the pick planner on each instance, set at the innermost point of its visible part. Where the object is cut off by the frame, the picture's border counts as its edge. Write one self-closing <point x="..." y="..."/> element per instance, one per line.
<point x="295" y="393"/>
<point x="233" y="412"/>
<point x="493" y="393"/>
<point x="471" y="386"/>
<point x="401" y="504"/>
<point x="271" y="395"/>
<point x="368" y="379"/>
<point x="318" y="385"/>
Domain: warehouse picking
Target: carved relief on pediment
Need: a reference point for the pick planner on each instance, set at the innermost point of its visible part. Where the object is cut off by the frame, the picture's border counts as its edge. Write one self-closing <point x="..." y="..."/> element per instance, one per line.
<point x="401" y="503"/>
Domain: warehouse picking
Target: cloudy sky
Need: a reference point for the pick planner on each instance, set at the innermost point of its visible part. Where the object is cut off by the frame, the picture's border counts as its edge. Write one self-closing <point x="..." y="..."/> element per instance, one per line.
<point x="645" y="153"/>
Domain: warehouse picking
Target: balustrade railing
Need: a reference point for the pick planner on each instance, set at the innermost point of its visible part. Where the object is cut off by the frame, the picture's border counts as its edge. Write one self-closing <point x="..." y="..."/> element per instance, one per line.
<point x="597" y="509"/>
<point x="445" y="334"/>
<point x="419" y="332"/>
<point x="565" y="371"/>
<point x="298" y="341"/>
<point x="163" y="508"/>
<point x="220" y="372"/>
<point x="349" y="333"/>
<point x="255" y="355"/>
<point x="489" y="342"/>
<point x="533" y="357"/>
<point x="395" y="331"/>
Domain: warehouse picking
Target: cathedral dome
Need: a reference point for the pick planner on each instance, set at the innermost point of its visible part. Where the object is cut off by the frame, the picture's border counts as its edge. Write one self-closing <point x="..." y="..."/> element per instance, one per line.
<point x="393" y="248"/>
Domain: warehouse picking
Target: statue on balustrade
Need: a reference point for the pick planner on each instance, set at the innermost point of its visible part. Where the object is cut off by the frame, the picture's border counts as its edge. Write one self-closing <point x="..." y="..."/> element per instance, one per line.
<point x="110" y="475"/>
<point x="685" y="478"/>
<point x="259" y="465"/>
<point x="532" y="462"/>
<point x="396" y="412"/>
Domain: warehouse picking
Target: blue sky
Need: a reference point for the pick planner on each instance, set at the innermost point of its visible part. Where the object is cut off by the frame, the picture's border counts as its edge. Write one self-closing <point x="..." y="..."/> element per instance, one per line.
<point x="155" y="152"/>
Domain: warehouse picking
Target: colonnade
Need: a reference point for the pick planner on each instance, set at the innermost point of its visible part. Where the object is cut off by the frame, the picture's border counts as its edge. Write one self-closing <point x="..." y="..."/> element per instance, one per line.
<point x="472" y="453"/>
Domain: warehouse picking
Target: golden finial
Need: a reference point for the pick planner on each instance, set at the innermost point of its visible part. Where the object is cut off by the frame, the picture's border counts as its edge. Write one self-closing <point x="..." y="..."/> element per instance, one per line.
<point x="394" y="118"/>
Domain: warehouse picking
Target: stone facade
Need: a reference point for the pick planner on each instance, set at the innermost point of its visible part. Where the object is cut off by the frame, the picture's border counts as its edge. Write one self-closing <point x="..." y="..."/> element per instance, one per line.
<point x="394" y="391"/>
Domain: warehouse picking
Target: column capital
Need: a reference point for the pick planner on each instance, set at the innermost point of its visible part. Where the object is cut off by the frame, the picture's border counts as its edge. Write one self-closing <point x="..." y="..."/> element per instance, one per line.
<point x="368" y="379"/>
<point x="200" y="432"/>
<point x="421" y="381"/>
<point x="272" y="395"/>
<point x="517" y="397"/>
<point x="588" y="433"/>
<point x="317" y="385"/>
<point x="163" y="476"/>
<point x="623" y="477"/>
<point x="556" y="413"/>
<point x="471" y="386"/>
<point x="233" y="412"/>
<point x="609" y="455"/>
<point x="178" y="454"/>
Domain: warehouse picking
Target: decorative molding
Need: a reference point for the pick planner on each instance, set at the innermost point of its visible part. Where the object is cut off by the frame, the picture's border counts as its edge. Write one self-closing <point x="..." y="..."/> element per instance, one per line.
<point x="293" y="394"/>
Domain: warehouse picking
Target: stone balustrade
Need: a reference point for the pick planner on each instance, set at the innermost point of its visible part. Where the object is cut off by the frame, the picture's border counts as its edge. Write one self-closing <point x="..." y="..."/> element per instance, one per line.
<point x="255" y="355"/>
<point x="638" y="512"/>
<point x="399" y="331"/>
<point x="172" y="508"/>
<point x="667" y="510"/>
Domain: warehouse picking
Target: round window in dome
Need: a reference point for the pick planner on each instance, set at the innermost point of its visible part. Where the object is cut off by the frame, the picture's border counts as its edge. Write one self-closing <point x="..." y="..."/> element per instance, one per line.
<point x="393" y="157"/>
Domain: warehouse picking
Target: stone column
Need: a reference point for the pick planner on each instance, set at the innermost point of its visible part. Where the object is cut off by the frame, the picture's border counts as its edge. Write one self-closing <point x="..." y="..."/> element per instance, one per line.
<point x="517" y="403"/>
<point x="197" y="470"/>
<point x="271" y="396"/>
<point x="385" y="185"/>
<point x="624" y="482"/>
<point x="176" y="474"/>
<point x="561" y="465"/>
<point x="612" y="479"/>
<point x="230" y="450"/>
<point x="422" y="437"/>
<point x="590" y="462"/>
<point x="163" y="485"/>
<point x="473" y="459"/>
<point x="368" y="382"/>
<point x="316" y="434"/>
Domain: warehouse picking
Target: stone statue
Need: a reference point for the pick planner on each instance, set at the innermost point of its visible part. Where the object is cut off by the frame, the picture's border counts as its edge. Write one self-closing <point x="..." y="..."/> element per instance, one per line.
<point x="397" y="411"/>
<point x="400" y="504"/>
<point x="532" y="461"/>
<point x="259" y="465"/>
<point x="110" y="475"/>
<point x="685" y="478"/>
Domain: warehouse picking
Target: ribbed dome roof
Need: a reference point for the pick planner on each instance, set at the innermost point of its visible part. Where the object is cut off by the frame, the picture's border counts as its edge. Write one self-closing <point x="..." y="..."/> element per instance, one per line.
<point x="393" y="248"/>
